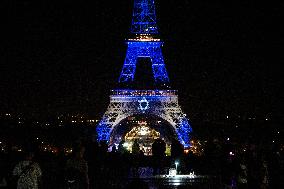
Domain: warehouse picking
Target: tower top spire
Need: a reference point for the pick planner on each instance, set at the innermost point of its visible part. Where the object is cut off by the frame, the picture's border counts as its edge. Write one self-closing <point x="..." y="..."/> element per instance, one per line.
<point x="144" y="17"/>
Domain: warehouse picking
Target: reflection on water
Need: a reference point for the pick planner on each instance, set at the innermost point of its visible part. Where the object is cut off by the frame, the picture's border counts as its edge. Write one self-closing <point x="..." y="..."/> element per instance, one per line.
<point x="178" y="182"/>
<point x="161" y="182"/>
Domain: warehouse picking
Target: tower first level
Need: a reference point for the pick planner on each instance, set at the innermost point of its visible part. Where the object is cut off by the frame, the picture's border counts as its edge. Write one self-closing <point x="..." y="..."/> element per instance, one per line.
<point x="159" y="103"/>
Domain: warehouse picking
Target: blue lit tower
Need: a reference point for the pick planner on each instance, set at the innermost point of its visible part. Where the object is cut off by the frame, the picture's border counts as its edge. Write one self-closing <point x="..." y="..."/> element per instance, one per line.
<point x="144" y="43"/>
<point x="159" y="101"/>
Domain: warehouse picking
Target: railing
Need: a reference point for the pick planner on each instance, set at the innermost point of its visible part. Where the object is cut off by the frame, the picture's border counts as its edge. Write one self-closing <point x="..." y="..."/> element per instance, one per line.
<point x="125" y="92"/>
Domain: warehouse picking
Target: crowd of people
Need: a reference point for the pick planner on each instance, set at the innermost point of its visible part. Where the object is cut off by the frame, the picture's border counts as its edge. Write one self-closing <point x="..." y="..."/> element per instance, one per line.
<point x="91" y="166"/>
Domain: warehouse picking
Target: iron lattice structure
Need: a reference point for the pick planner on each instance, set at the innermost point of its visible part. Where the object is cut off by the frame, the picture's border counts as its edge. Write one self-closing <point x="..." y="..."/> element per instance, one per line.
<point x="149" y="49"/>
<point x="144" y="17"/>
<point x="160" y="102"/>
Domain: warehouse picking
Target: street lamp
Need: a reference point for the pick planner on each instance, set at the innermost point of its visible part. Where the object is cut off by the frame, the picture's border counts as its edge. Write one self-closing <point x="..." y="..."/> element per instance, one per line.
<point x="176" y="163"/>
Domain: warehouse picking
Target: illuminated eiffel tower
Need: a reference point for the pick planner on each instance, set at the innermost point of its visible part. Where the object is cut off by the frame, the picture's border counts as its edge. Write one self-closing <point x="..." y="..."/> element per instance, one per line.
<point x="130" y="99"/>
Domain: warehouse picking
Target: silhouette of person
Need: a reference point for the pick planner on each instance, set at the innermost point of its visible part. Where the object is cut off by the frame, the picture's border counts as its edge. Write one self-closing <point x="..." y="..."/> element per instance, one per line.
<point x="28" y="172"/>
<point x="76" y="169"/>
<point x="135" y="147"/>
<point x="158" y="151"/>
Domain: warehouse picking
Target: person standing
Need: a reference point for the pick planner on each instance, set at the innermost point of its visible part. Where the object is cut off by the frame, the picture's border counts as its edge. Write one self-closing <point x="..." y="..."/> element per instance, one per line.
<point x="76" y="170"/>
<point x="242" y="174"/>
<point x="27" y="173"/>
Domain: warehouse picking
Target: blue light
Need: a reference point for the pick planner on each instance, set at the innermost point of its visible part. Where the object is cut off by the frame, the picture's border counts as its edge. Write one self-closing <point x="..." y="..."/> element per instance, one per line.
<point x="143" y="104"/>
<point x="103" y="131"/>
<point x="161" y="103"/>
<point x="158" y="102"/>
<point x="183" y="132"/>
<point x="144" y="17"/>
<point x="151" y="49"/>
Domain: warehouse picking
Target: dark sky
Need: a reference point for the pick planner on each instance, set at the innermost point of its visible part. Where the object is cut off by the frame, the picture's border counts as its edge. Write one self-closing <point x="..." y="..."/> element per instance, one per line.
<point x="66" y="56"/>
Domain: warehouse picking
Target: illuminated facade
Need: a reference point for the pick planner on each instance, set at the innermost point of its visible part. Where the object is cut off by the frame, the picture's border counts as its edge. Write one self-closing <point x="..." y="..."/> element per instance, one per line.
<point x="161" y="101"/>
<point x="143" y="135"/>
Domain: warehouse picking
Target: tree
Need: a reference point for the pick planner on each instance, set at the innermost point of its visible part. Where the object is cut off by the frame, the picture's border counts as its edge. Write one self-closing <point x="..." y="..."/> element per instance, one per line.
<point x="176" y="148"/>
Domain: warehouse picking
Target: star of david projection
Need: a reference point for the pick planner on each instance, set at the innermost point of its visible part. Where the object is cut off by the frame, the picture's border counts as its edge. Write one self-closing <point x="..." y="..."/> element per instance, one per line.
<point x="143" y="104"/>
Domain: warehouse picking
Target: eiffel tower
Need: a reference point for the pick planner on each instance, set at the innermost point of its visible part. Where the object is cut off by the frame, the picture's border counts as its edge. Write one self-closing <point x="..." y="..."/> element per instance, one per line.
<point x="156" y="99"/>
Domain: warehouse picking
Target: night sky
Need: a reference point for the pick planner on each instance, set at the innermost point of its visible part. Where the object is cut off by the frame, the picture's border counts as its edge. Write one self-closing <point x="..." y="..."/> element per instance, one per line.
<point x="224" y="58"/>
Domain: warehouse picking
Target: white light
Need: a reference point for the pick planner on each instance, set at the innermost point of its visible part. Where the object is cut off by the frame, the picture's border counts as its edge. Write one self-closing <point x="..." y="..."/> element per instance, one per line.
<point x="278" y="132"/>
<point x="191" y="175"/>
<point x="231" y="153"/>
<point x="228" y="138"/>
<point x="143" y="132"/>
<point x="176" y="163"/>
<point x="172" y="172"/>
<point x="125" y="144"/>
<point x="273" y="141"/>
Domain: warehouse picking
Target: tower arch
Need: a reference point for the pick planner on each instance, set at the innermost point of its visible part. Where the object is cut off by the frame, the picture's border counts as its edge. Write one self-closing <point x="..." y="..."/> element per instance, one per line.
<point x="161" y="103"/>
